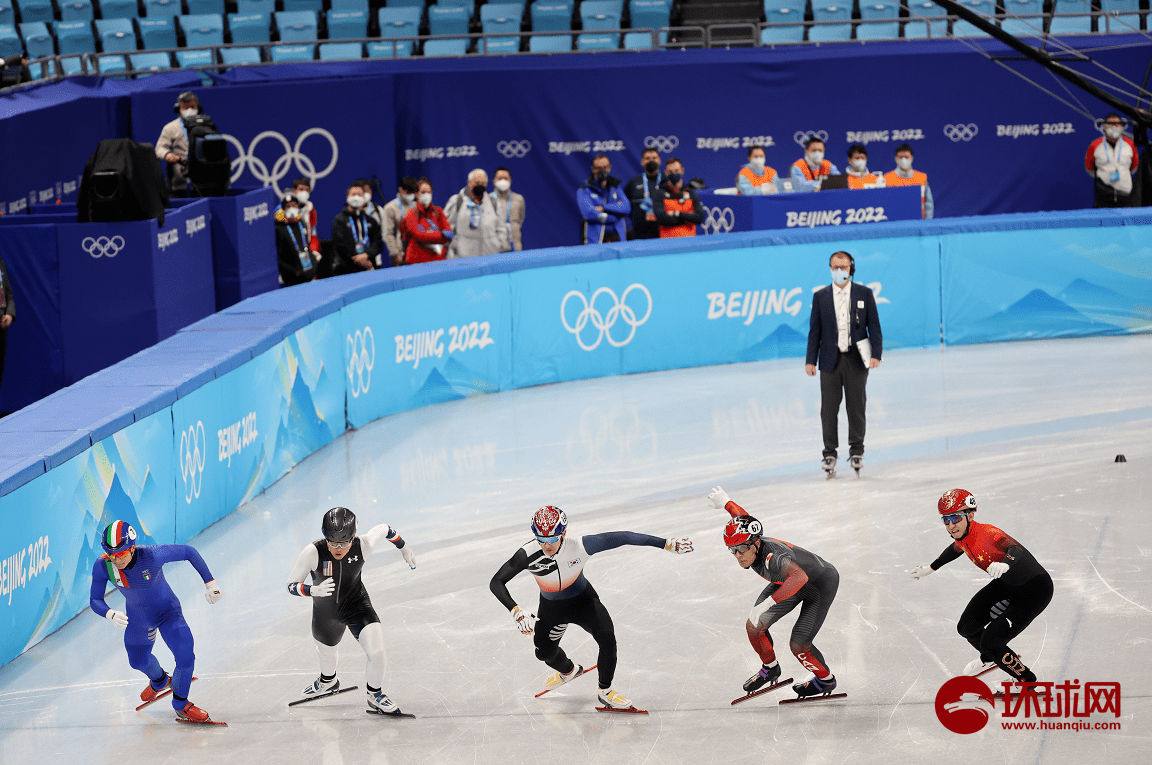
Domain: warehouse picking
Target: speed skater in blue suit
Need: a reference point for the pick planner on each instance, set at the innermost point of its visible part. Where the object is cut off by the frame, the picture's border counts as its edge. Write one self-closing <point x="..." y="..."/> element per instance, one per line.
<point x="151" y="606"/>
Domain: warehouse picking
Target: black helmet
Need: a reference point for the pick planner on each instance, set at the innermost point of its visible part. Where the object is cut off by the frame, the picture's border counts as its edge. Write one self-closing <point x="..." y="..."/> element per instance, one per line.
<point x="339" y="525"/>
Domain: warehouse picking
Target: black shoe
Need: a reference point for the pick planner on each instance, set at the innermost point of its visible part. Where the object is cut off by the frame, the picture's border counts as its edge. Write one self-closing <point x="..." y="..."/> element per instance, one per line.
<point x="766" y="676"/>
<point x="815" y="687"/>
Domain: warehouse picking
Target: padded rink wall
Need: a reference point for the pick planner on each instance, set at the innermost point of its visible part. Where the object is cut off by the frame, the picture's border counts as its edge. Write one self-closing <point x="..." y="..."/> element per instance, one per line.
<point x="181" y="434"/>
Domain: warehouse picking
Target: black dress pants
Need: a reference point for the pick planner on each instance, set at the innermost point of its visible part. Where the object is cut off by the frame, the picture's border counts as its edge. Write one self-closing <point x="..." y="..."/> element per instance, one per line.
<point x="846" y="381"/>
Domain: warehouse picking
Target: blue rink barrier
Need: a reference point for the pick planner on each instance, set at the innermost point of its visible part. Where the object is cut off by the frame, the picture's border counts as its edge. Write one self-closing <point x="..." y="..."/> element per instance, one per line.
<point x="834" y="207"/>
<point x="180" y="434"/>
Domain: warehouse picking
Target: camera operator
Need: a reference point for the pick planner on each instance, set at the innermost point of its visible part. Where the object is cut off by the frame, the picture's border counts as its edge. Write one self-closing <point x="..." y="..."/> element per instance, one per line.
<point x="172" y="145"/>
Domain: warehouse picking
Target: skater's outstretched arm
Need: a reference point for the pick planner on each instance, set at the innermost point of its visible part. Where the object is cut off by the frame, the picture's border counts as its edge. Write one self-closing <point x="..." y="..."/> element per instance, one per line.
<point x="163" y="554"/>
<point x="951" y="553"/>
<point x="377" y="534"/>
<point x="507" y="572"/>
<point x="610" y="540"/>
<point x="719" y="499"/>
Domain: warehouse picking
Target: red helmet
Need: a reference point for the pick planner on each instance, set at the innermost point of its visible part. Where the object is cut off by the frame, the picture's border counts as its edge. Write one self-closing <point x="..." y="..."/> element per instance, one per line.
<point x="956" y="501"/>
<point x="741" y="530"/>
<point x="549" y="521"/>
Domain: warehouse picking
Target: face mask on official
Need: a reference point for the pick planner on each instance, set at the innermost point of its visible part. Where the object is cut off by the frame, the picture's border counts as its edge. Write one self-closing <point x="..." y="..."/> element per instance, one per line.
<point x="859" y="164"/>
<point x="187" y="113"/>
<point x="651" y="167"/>
<point x="355" y="201"/>
<point x="674" y="178"/>
<point x="478" y="189"/>
<point x="815" y="158"/>
<point x="756" y="163"/>
<point x="904" y="163"/>
<point x="502" y="185"/>
<point x="1113" y="132"/>
<point x="292" y="213"/>
<point x="426" y="199"/>
<point x="407" y="198"/>
<point x="302" y="196"/>
<point x="601" y="175"/>
<point x="839" y="275"/>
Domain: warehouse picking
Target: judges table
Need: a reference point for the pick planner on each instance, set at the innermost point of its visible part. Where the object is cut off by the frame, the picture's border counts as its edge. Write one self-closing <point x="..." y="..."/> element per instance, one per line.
<point x="838" y="207"/>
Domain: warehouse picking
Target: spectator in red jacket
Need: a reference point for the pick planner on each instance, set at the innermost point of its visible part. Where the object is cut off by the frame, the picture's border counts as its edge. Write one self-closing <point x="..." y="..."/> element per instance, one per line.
<point x="302" y="190"/>
<point x="1112" y="161"/>
<point x="425" y="228"/>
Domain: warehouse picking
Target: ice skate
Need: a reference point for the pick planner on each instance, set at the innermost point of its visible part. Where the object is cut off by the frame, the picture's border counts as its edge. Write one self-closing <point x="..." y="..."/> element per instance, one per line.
<point x="767" y="675"/>
<point x="559" y="678"/>
<point x="151" y="692"/>
<point x="611" y="701"/>
<point x="829" y="465"/>
<point x="380" y="704"/>
<point x="856" y="462"/>
<point x="815" y="689"/>
<point x="194" y="714"/>
<point x="978" y="667"/>
<point x="321" y="687"/>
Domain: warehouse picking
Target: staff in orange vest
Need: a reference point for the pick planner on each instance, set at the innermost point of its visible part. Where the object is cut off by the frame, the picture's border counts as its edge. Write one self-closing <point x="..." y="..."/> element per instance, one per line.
<point x="859" y="176"/>
<point x="677" y="209"/>
<point x="813" y="168"/>
<point x="755" y="177"/>
<point x="904" y="175"/>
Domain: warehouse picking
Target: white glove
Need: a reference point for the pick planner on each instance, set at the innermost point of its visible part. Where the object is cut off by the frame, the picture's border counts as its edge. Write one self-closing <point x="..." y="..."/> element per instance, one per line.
<point x="152" y="633"/>
<point x="758" y="610"/>
<point x="679" y="546"/>
<point x="212" y="592"/>
<point x="719" y="498"/>
<point x="524" y="620"/>
<point x="603" y="217"/>
<point x="119" y="618"/>
<point x="997" y="569"/>
<point x="409" y="556"/>
<point x="322" y="590"/>
<point x="921" y="571"/>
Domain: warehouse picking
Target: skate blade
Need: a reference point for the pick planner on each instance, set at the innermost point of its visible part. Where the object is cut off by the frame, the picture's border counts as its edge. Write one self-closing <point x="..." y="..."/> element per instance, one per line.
<point x="167" y="692"/>
<point x="762" y="691"/>
<point x="325" y="695"/>
<point x="629" y="710"/>
<point x="378" y="713"/>
<point x="205" y="722"/>
<point x="806" y="699"/>
<point x="983" y="672"/>
<point x="829" y="475"/>
<point x="549" y="690"/>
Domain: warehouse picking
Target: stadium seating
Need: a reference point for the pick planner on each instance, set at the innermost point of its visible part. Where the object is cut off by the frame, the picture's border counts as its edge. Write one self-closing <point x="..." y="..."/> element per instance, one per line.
<point x="550" y="16"/>
<point x="7" y="14"/>
<point x="1120" y="16"/>
<point x="76" y="10"/>
<point x="283" y="53"/>
<point x="316" y="6"/>
<point x="923" y="14"/>
<point x="350" y="5"/>
<point x="650" y="14"/>
<point x="150" y="62"/>
<point x="251" y="7"/>
<point x="448" y="20"/>
<point x="346" y="25"/>
<point x="156" y="8"/>
<point x="233" y="56"/>
<point x="886" y="17"/>
<point x="987" y="8"/>
<point x="198" y="7"/>
<point x="831" y="10"/>
<point x="10" y="44"/>
<point x="453" y="47"/>
<point x="500" y="45"/>
<point x="74" y="37"/>
<point x="116" y="36"/>
<point x="194" y="57"/>
<point x="37" y="39"/>
<point x="782" y="12"/>
<point x="156" y="33"/>
<point x="36" y="10"/>
<point x="1021" y="27"/>
<point x="118" y="9"/>
<point x="594" y="41"/>
<point x="501" y="18"/>
<point x="341" y="51"/>
<point x="399" y="22"/>
<point x="599" y="16"/>
<point x="112" y="64"/>
<point x="461" y="3"/>
<point x="296" y="26"/>
<point x="398" y="49"/>
<point x="202" y="29"/>
<point x="1069" y="25"/>
<point x="643" y="40"/>
<point x="249" y="28"/>
<point x="407" y="4"/>
<point x="549" y="43"/>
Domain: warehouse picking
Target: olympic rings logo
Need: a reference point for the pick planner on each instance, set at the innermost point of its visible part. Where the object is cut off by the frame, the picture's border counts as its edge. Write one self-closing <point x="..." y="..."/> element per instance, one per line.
<point x="662" y="144"/>
<point x="603" y="323"/>
<point x="801" y="136"/>
<point x="515" y="149"/>
<point x="718" y="221"/>
<point x="102" y="246"/>
<point x="193" y="450"/>
<point x="282" y="166"/>
<point x="961" y="132"/>
<point x="361" y="360"/>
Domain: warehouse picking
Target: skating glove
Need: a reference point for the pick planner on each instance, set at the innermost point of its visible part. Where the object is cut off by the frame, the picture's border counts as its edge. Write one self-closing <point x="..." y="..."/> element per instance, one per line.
<point x="524" y="620"/>
<point x="322" y="590"/>
<point x="997" y="569"/>
<point x="409" y="556"/>
<point x="921" y="571"/>
<point x="678" y="546"/>
<point x="719" y="498"/>
<point x="119" y="618"/>
<point x="212" y="592"/>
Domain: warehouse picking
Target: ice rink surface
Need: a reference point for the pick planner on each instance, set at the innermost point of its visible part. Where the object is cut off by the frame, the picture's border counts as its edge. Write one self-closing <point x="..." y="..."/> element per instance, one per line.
<point x="1030" y="428"/>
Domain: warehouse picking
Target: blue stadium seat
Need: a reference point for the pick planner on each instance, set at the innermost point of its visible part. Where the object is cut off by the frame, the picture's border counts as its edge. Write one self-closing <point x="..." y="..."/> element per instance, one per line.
<point x="400" y="22"/>
<point x="986" y="8"/>
<point x="296" y="26"/>
<point x="155" y="8"/>
<point x="598" y="16"/>
<point x="316" y="6"/>
<point x="157" y="33"/>
<point x="37" y="39"/>
<point x="405" y="4"/>
<point x="643" y="40"/>
<point x="597" y="42"/>
<point x="74" y="37"/>
<point x="549" y="43"/>
<point x="548" y="16"/>
<point x="249" y="28"/>
<point x="7" y="14"/>
<point x="282" y="53"/>
<point x="202" y="29"/>
<point x="76" y="10"/>
<point x="118" y="9"/>
<point x="831" y="10"/>
<point x="1120" y="16"/>
<point x="501" y="18"/>
<point x="1069" y="25"/>
<point x="398" y="49"/>
<point x="233" y="56"/>
<point x="199" y="7"/>
<point x="650" y="14"/>
<point x="10" y="44"/>
<point x="448" y="20"/>
<point x="1022" y="27"/>
<point x="112" y="64"/>
<point x="350" y="5"/>
<point x="454" y="47"/>
<point x="116" y="36"/>
<point x="194" y="57"/>
<point x="150" y="62"/>
<point x="921" y="15"/>
<point x="500" y="45"/>
<point x="461" y="3"/>
<point x="886" y="17"/>
<point x="251" y="7"/>
<point x="774" y="35"/>
<point x="36" y="10"/>
<point x="346" y="25"/>
<point x="784" y="12"/>
<point x="72" y="65"/>
<point x="341" y="51"/>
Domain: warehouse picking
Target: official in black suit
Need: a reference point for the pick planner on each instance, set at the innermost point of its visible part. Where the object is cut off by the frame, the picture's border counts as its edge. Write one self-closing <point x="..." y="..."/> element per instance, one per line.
<point x="843" y="314"/>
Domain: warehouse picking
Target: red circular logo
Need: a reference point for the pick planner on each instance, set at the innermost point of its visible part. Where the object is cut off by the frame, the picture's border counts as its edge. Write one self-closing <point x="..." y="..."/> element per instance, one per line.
<point x="963" y="704"/>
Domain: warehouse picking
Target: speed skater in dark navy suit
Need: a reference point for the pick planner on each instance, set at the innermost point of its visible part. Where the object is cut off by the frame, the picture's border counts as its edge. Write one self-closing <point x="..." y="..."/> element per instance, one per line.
<point x="151" y="606"/>
<point x="567" y="597"/>
<point x="340" y="601"/>
<point x="796" y="577"/>
<point x="1020" y="588"/>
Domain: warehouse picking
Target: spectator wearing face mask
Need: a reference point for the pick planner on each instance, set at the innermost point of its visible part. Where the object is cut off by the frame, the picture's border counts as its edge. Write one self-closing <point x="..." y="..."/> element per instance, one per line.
<point x="472" y="214"/>
<point x="639" y="191"/>
<point x="904" y="175"/>
<point x="293" y="250"/>
<point x="302" y="190"/>
<point x="756" y="177"/>
<point x="172" y="145"/>
<point x="509" y="210"/>
<point x="394" y="212"/>
<point x="426" y="228"/>
<point x="1112" y="161"/>
<point x="812" y="168"/>
<point x="356" y="238"/>
<point x="678" y="209"/>
<point x="859" y="176"/>
<point x="603" y="204"/>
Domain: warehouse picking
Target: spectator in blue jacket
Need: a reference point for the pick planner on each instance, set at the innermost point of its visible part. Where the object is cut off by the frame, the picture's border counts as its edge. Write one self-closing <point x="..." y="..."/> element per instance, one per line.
<point x="603" y="204"/>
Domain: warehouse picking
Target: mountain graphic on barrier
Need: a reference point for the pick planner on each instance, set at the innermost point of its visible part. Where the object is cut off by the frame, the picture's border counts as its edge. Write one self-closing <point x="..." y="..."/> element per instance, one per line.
<point x="1036" y="315"/>
<point x="456" y="381"/>
<point x="300" y="429"/>
<point x="1103" y="304"/>
<point x="783" y="343"/>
